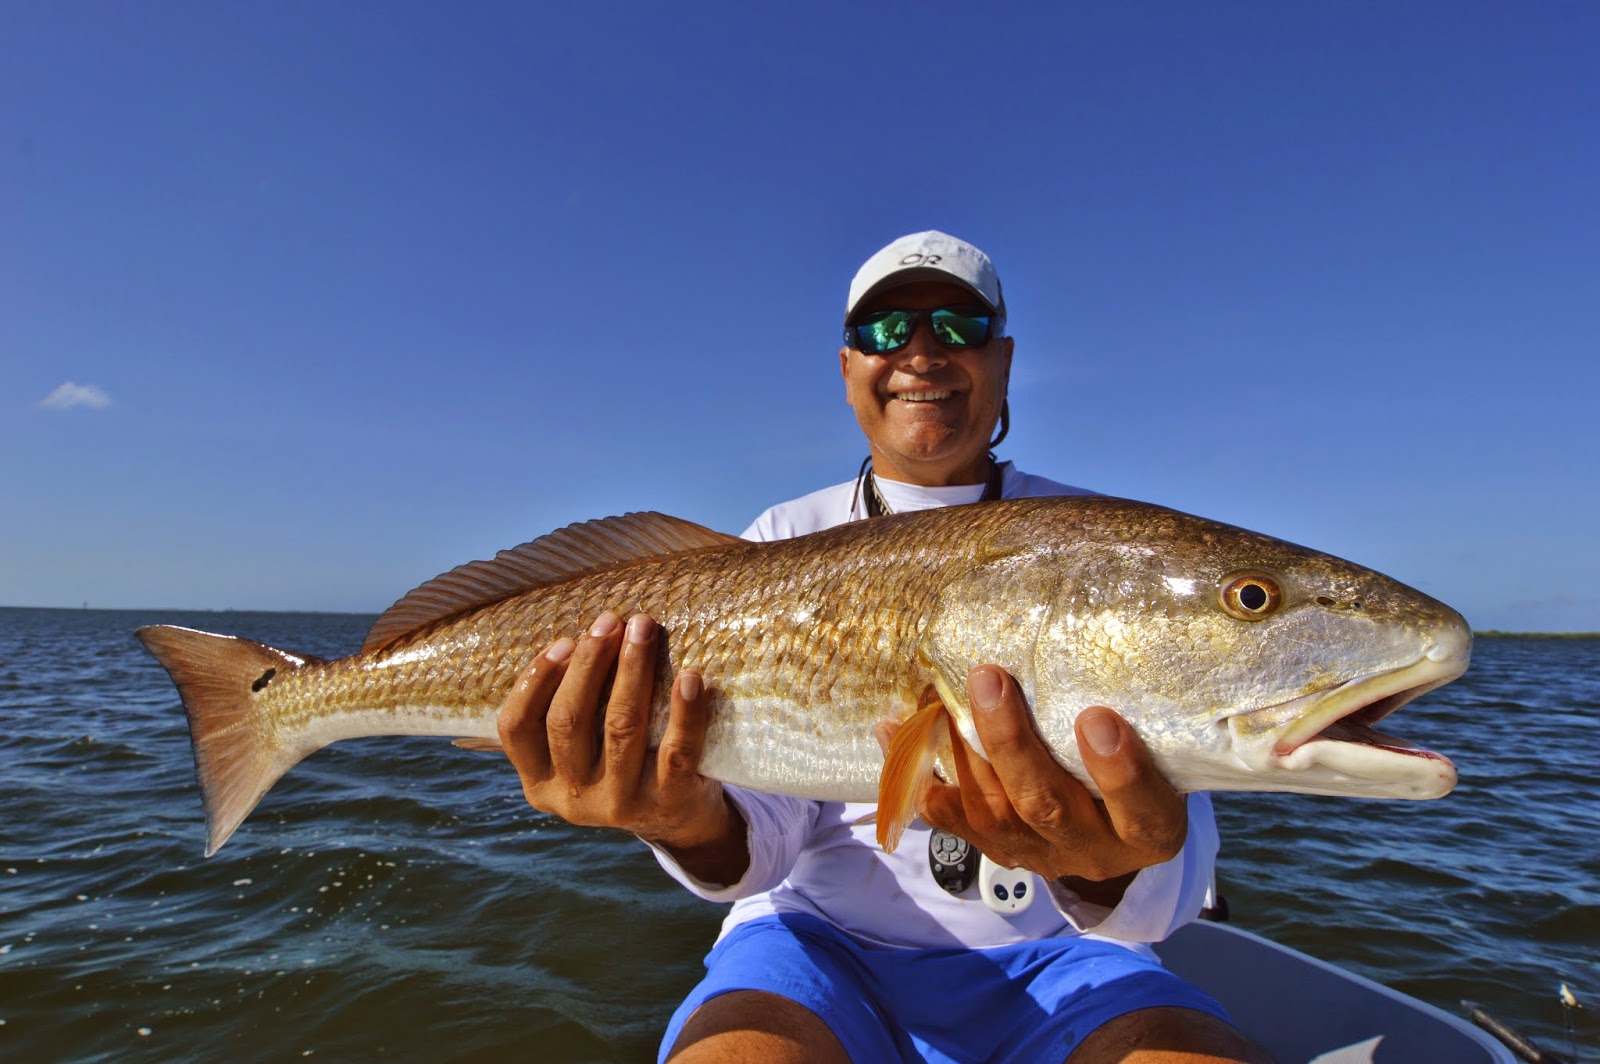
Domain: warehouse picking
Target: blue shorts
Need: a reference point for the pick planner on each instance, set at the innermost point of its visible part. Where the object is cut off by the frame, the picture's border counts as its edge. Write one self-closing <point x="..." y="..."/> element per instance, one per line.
<point x="1032" y="1001"/>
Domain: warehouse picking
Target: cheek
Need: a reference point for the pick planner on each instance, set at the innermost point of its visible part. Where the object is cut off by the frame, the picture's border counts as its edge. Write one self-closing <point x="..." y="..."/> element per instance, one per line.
<point x="860" y="387"/>
<point x="989" y="382"/>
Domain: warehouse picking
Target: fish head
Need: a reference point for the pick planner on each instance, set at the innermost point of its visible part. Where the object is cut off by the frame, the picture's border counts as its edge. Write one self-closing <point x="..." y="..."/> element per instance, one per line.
<point x="1244" y="662"/>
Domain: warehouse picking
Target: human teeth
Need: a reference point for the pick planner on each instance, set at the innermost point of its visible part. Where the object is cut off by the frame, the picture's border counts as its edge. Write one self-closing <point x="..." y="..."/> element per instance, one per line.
<point x="922" y="397"/>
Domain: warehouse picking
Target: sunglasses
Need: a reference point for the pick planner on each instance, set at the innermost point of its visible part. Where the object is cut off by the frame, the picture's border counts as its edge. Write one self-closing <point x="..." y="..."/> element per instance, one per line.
<point x="882" y="331"/>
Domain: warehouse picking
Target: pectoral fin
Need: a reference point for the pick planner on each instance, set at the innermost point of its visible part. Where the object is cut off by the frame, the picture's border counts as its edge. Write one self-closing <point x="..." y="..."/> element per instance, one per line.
<point x="908" y="769"/>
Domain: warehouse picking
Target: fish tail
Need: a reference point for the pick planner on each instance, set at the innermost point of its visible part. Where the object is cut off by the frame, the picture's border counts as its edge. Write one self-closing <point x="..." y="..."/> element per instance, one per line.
<point x="219" y="677"/>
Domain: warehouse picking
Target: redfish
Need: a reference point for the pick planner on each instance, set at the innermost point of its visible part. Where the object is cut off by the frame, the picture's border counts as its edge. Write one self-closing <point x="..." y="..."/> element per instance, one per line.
<point x="1244" y="662"/>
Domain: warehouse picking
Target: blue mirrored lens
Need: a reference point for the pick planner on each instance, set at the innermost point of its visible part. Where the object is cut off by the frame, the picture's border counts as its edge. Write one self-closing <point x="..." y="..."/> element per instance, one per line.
<point x="889" y="330"/>
<point x="885" y="330"/>
<point x="956" y="328"/>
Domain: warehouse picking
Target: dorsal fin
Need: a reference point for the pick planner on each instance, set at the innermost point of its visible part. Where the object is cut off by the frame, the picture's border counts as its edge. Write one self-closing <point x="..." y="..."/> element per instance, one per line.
<point x="563" y="554"/>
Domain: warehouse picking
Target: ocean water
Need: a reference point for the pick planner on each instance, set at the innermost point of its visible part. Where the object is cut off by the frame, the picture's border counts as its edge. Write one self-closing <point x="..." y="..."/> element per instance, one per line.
<point x="396" y="899"/>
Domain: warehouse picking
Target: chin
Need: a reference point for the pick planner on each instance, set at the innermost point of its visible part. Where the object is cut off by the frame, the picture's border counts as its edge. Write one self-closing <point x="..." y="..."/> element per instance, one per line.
<point x="936" y="462"/>
<point x="924" y="450"/>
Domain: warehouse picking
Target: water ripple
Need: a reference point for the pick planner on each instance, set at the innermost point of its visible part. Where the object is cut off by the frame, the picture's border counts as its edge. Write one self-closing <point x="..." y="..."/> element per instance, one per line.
<point x="395" y="897"/>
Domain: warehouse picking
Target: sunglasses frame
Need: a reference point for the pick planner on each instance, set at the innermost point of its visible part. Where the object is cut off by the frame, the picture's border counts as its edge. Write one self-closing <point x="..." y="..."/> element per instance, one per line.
<point x="995" y="327"/>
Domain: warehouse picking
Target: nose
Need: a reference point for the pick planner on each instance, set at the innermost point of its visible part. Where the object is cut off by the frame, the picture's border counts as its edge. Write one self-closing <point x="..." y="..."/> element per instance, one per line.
<point x="923" y="350"/>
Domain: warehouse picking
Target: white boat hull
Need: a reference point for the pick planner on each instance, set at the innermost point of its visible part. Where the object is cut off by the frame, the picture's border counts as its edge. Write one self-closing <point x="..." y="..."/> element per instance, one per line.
<point x="1303" y="1010"/>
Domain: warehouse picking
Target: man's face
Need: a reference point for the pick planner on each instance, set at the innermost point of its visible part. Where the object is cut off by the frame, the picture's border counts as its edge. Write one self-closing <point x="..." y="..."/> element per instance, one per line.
<point x="928" y="410"/>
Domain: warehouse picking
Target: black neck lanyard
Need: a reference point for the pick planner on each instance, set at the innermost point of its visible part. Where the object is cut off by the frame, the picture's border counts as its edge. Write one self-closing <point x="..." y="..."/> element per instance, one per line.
<point x="867" y="487"/>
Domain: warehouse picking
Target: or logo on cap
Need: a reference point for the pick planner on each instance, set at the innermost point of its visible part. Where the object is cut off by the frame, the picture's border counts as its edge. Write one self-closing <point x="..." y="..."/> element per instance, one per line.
<point x="936" y="252"/>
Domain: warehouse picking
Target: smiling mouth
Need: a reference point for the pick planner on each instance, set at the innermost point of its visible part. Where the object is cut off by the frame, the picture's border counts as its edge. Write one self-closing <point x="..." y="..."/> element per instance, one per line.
<point x="922" y="397"/>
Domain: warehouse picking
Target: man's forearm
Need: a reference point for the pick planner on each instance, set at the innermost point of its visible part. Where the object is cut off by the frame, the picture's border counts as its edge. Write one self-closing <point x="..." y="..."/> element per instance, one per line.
<point x="722" y="857"/>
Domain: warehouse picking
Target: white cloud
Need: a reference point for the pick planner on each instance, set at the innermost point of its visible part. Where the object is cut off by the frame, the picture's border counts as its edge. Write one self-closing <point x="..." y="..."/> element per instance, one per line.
<point x="69" y="395"/>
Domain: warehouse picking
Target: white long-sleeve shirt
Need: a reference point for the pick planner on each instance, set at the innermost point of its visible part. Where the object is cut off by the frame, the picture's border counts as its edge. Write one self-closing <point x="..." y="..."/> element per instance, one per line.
<point x="816" y="857"/>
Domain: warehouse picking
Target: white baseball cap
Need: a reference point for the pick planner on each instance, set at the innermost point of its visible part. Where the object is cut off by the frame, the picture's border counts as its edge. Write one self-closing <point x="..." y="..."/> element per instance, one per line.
<point x="930" y="256"/>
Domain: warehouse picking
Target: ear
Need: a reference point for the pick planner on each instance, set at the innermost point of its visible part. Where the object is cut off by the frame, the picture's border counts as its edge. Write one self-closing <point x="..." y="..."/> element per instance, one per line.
<point x="844" y="373"/>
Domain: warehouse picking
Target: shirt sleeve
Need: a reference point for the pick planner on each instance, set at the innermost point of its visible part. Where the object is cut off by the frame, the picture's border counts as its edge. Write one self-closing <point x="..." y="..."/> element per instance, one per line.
<point x="1161" y="898"/>
<point x="763" y="529"/>
<point x="777" y="826"/>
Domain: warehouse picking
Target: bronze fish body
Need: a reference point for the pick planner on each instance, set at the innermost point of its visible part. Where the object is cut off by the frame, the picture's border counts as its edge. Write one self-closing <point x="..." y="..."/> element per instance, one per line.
<point x="1244" y="662"/>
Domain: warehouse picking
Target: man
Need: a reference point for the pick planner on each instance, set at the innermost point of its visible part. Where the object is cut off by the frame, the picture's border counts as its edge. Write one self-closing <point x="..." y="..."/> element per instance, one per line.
<point x="834" y="950"/>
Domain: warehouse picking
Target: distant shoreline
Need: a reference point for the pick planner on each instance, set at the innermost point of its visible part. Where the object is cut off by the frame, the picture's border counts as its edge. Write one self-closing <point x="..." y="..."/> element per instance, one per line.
<point x="196" y="609"/>
<point x="1487" y="633"/>
<point x="1495" y="634"/>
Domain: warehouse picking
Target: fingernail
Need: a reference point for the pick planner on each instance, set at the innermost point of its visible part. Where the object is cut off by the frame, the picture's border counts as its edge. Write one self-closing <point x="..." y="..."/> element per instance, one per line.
<point x="689" y="685"/>
<point x="1101" y="732"/>
<point x="604" y="625"/>
<point x="640" y="628"/>
<point x="985" y="688"/>
<point x="560" y="650"/>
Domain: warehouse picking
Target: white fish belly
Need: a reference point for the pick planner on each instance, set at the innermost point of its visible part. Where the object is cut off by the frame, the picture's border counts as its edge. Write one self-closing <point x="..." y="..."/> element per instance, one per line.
<point x="772" y="745"/>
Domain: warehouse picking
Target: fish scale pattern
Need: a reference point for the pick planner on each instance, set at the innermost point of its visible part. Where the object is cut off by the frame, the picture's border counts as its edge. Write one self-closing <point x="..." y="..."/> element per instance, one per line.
<point x="800" y="642"/>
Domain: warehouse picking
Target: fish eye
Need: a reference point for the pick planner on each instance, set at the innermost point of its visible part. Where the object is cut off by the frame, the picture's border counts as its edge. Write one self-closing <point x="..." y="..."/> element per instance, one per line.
<point x="1251" y="596"/>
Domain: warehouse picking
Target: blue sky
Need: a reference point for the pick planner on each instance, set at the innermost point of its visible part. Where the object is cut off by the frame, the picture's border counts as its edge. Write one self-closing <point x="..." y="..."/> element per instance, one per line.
<point x="303" y="303"/>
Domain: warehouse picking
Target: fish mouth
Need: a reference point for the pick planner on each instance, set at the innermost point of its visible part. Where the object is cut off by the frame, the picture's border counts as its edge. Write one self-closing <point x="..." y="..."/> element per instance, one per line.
<point x="1328" y="737"/>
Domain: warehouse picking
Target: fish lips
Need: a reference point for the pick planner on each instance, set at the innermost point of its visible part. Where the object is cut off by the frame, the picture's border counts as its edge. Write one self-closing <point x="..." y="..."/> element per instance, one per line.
<point x="1327" y="741"/>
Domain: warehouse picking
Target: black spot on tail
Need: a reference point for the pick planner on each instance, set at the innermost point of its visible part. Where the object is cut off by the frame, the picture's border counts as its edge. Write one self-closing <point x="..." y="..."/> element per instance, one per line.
<point x="265" y="679"/>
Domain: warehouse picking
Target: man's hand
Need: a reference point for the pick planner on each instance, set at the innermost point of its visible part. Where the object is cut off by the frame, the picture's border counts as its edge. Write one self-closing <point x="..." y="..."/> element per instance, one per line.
<point x="1022" y="809"/>
<point x="593" y="767"/>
